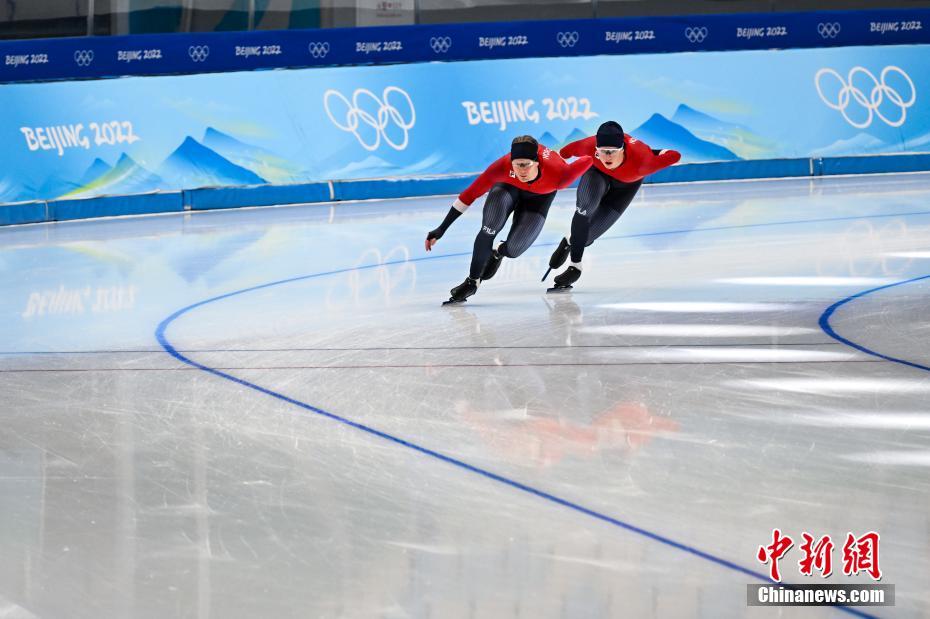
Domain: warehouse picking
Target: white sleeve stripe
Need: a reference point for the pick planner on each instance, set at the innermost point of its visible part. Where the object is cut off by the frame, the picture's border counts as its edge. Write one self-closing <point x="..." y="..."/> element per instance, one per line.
<point x="460" y="206"/>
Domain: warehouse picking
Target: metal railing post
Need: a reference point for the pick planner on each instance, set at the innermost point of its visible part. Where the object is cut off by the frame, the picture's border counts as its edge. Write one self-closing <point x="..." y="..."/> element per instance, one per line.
<point x="187" y="15"/>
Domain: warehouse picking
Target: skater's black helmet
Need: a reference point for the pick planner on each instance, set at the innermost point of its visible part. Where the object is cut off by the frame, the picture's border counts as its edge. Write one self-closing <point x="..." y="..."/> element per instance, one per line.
<point x="610" y="135"/>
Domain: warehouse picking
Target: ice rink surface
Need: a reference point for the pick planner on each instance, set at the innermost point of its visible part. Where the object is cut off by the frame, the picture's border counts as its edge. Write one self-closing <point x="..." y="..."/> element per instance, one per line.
<point x="266" y="412"/>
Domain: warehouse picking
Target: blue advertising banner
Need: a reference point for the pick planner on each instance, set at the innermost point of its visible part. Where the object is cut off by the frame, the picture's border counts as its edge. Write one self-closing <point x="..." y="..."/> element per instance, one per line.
<point x="136" y="135"/>
<point x="86" y="57"/>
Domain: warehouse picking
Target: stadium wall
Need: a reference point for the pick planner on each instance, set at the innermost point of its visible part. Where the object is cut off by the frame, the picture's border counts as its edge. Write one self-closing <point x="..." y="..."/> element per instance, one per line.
<point x="93" y="148"/>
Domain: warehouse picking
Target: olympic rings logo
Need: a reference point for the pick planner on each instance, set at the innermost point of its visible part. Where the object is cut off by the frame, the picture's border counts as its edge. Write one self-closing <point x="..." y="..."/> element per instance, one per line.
<point x="198" y="53"/>
<point x="440" y="45"/>
<point x="394" y="277"/>
<point x="83" y="57"/>
<point x="871" y="103"/>
<point x="319" y="49"/>
<point x="383" y="114"/>
<point x="829" y="30"/>
<point x="696" y="35"/>
<point x="567" y="39"/>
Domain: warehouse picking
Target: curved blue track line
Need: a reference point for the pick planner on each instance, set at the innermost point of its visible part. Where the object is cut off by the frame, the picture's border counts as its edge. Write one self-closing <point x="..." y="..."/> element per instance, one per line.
<point x="824" y="322"/>
<point x="829" y="330"/>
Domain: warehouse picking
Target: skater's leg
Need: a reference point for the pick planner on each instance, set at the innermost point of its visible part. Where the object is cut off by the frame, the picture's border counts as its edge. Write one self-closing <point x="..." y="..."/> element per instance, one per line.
<point x="603" y="219"/>
<point x="499" y="204"/>
<point x="528" y="222"/>
<point x="592" y="187"/>
<point x="525" y="229"/>
<point x="612" y="206"/>
<point x="600" y="218"/>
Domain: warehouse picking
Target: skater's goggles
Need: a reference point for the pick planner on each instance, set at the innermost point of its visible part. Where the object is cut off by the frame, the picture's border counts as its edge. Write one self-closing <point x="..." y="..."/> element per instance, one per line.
<point x="524" y="164"/>
<point x="608" y="152"/>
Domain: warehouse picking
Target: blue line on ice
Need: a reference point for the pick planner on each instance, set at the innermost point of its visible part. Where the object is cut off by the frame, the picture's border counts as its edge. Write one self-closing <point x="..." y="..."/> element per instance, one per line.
<point x="824" y="323"/>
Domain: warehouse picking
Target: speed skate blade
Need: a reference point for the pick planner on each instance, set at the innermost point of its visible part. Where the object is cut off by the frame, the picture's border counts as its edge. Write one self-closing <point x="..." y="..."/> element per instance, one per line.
<point x="453" y="302"/>
<point x="556" y="289"/>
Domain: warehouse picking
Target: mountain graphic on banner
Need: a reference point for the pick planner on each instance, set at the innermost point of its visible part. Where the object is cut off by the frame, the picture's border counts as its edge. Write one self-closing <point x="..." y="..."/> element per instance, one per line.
<point x="547" y="139"/>
<point x="126" y="177"/>
<point x="12" y="191"/>
<point x="194" y="165"/>
<point x="659" y="132"/>
<point x="575" y="135"/>
<point x="436" y="163"/>
<point x="264" y="163"/>
<point x="55" y="186"/>
<point x="737" y="138"/>
<point x="97" y="169"/>
<point x="865" y="143"/>
<point x="861" y="143"/>
<point x="919" y="143"/>
<point x="695" y="121"/>
<point x="371" y="166"/>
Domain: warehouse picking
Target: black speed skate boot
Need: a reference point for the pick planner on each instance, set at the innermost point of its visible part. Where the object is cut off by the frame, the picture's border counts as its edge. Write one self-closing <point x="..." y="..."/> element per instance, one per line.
<point x="462" y="291"/>
<point x="559" y="256"/>
<point x="494" y="263"/>
<point x="565" y="280"/>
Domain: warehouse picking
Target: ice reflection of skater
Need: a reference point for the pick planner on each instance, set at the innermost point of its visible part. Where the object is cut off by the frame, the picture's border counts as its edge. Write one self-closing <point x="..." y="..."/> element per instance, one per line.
<point x="530" y="427"/>
<point x="605" y="191"/>
<point x="524" y="183"/>
<point x="528" y="418"/>
<point x="564" y="314"/>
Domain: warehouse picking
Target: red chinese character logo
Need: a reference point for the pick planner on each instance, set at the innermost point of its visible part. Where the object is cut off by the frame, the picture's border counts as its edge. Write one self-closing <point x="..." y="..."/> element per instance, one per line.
<point x="819" y="555"/>
<point x="861" y="555"/>
<point x="774" y="552"/>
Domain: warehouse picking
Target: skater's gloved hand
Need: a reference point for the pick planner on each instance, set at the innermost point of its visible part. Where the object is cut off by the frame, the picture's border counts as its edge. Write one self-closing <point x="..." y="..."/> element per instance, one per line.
<point x="432" y="237"/>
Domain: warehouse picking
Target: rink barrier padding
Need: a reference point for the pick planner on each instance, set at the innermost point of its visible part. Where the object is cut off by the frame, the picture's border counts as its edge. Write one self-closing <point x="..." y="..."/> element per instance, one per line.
<point x="376" y="189"/>
<point x="735" y="170"/>
<point x="114" y="206"/>
<point x="875" y="165"/>
<point x="382" y="189"/>
<point x="23" y="213"/>
<point x="213" y="52"/>
<point x="261" y="195"/>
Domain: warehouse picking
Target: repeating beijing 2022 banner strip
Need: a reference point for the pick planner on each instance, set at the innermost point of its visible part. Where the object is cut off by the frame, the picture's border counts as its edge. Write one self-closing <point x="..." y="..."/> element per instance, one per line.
<point x="137" y="135"/>
<point x="95" y="57"/>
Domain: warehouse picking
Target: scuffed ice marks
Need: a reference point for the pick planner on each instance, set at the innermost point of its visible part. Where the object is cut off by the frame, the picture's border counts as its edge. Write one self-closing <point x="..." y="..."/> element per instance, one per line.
<point x="186" y="492"/>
